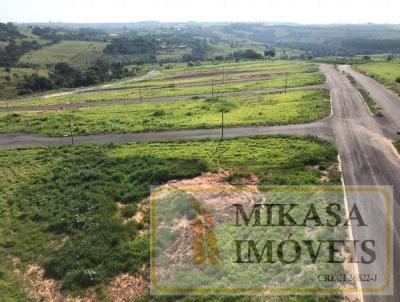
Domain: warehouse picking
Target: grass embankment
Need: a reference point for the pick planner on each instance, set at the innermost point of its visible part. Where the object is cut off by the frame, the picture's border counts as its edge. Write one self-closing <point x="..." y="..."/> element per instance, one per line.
<point x="269" y="109"/>
<point x="370" y="102"/>
<point x="385" y="72"/>
<point x="59" y="204"/>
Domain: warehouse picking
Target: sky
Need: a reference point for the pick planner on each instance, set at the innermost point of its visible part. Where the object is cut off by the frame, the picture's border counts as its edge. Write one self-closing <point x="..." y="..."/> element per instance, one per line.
<point x="296" y="11"/>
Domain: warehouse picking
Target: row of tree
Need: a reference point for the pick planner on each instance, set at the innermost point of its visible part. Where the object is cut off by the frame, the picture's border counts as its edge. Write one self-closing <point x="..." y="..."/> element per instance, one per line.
<point x="57" y="34"/>
<point x="65" y="76"/>
<point x="9" y="31"/>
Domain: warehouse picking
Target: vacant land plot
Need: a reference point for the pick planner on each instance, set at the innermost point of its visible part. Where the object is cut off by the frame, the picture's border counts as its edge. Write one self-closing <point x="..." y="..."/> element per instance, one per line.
<point x="386" y="72"/>
<point x="268" y="109"/>
<point x="61" y="206"/>
<point x="294" y="80"/>
<point x="75" y="53"/>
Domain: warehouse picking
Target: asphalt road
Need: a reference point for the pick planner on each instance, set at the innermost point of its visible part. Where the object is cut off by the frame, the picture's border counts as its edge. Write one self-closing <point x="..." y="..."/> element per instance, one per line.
<point x="387" y="99"/>
<point x="368" y="157"/>
<point x="322" y="129"/>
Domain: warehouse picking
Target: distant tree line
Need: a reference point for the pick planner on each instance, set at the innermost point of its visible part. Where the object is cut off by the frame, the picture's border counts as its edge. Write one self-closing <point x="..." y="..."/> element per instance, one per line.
<point x="370" y="46"/>
<point x="81" y="34"/>
<point x="320" y="41"/>
<point x="65" y="76"/>
<point x="9" y="31"/>
<point x="248" y="54"/>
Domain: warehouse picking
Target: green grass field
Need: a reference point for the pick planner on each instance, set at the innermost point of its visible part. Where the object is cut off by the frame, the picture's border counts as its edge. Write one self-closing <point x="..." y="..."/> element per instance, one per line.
<point x="268" y="109"/>
<point x="296" y="80"/>
<point x="219" y="76"/>
<point x="385" y="72"/>
<point x="58" y="205"/>
<point x="75" y="53"/>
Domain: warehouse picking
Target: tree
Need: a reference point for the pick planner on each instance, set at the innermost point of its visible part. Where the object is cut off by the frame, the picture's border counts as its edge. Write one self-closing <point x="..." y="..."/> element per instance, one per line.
<point x="270" y="53"/>
<point x="9" y="31"/>
<point x="247" y="54"/>
<point x="35" y="83"/>
<point x="64" y="75"/>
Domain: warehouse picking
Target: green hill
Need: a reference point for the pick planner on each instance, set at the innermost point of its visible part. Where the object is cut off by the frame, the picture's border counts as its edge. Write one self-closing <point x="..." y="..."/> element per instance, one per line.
<point x="75" y="53"/>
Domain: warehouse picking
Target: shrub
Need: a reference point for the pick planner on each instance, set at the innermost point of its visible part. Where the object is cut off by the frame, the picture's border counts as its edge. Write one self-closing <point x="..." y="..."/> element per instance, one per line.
<point x="159" y="112"/>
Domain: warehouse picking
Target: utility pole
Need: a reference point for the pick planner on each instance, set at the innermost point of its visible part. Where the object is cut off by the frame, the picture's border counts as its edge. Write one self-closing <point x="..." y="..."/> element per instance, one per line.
<point x="286" y="83"/>
<point x="69" y="98"/>
<point x="140" y="94"/>
<point x="223" y="75"/>
<point x="70" y="130"/>
<point x="173" y="77"/>
<point x="212" y="89"/>
<point x="8" y="108"/>
<point x="222" y="125"/>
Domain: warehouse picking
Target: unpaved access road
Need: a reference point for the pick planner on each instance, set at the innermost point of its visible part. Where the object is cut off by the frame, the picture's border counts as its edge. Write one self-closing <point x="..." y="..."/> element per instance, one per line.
<point x="368" y="158"/>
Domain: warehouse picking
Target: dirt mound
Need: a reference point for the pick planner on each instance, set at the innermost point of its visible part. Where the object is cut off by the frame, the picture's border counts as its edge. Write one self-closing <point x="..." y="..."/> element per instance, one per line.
<point x="126" y="287"/>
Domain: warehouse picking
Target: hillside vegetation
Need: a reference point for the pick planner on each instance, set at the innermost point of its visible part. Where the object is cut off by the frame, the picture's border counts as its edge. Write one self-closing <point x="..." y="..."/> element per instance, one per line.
<point x="75" y="53"/>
